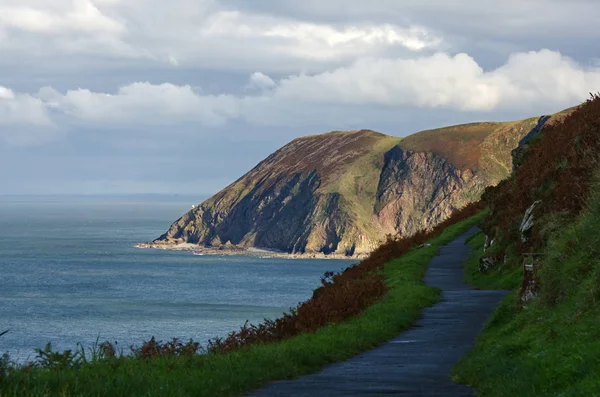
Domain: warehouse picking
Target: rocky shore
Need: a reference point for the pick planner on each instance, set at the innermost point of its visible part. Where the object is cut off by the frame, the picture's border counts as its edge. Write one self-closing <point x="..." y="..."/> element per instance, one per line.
<point x="231" y="250"/>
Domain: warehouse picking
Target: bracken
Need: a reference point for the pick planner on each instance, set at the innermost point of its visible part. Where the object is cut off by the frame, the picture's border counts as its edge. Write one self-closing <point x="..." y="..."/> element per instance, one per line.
<point x="340" y="296"/>
<point x="558" y="170"/>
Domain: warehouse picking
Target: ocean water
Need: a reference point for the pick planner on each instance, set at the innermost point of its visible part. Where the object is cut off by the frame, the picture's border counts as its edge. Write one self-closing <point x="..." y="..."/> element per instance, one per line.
<point x="69" y="273"/>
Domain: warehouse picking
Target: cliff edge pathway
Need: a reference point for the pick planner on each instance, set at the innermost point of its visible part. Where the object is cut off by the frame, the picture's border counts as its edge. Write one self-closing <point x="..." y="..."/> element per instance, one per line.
<point x="418" y="361"/>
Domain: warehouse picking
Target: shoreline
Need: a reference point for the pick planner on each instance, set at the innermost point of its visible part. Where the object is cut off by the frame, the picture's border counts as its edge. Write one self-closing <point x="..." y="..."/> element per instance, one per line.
<point x="240" y="251"/>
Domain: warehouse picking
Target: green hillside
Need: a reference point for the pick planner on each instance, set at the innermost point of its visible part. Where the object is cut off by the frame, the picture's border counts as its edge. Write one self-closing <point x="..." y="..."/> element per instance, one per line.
<point x="342" y="192"/>
<point x="544" y="339"/>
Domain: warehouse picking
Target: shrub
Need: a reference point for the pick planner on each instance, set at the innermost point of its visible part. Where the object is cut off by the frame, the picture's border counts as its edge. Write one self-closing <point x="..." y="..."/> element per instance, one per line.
<point x="558" y="169"/>
<point x="341" y="295"/>
<point x="47" y="358"/>
<point x="172" y="348"/>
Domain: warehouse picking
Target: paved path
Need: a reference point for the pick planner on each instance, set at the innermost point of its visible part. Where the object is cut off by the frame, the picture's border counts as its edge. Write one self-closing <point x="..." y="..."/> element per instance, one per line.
<point x="418" y="361"/>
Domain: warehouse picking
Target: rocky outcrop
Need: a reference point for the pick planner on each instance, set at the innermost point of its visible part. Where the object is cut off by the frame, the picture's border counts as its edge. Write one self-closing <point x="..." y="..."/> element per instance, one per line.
<point x="527" y="222"/>
<point x="343" y="192"/>
<point x="519" y="153"/>
<point x="420" y="189"/>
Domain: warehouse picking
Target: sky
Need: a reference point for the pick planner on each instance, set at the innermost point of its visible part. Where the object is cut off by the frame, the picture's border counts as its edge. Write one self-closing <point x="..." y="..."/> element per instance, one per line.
<point x="185" y="96"/>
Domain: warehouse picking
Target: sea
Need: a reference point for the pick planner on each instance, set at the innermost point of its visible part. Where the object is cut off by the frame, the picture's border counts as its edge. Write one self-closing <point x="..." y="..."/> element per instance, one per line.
<point x="70" y="274"/>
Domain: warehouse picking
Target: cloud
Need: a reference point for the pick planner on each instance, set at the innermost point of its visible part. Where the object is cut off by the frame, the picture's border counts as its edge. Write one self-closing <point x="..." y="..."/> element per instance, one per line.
<point x="24" y="120"/>
<point x="316" y="41"/>
<point x="441" y="80"/>
<point x="534" y="82"/>
<point x="183" y="32"/>
<point x="6" y="93"/>
<point x="462" y="25"/>
<point x="279" y="36"/>
<point x="81" y="16"/>
<point x="35" y="29"/>
<point x="510" y="18"/>
<point x="143" y="104"/>
<point x="260" y="81"/>
<point x="528" y="82"/>
<point x="22" y="109"/>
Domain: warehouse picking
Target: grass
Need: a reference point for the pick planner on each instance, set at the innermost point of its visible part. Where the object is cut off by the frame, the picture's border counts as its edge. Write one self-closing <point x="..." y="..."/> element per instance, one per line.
<point x="504" y="276"/>
<point x="359" y="182"/>
<point x="245" y="369"/>
<point x="551" y="348"/>
<point x="463" y="145"/>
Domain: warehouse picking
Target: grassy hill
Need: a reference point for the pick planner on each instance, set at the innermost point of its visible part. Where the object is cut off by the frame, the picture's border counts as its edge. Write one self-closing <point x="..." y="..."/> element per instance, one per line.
<point x="544" y="339"/>
<point x="342" y="192"/>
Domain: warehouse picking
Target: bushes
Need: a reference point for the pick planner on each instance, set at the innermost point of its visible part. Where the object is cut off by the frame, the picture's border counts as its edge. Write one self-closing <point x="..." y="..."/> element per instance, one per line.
<point x="552" y="348"/>
<point x="152" y="349"/>
<point x="557" y="169"/>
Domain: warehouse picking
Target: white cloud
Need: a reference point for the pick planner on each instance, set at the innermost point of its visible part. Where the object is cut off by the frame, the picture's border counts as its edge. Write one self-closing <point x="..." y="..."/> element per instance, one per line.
<point x="80" y="16"/>
<point x="22" y="109"/>
<point x="35" y="29"/>
<point x="534" y="81"/>
<point x="313" y="40"/>
<point x="320" y="35"/>
<point x="509" y="17"/>
<point x="24" y="120"/>
<point x="173" y="61"/>
<point x="6" y="93"/>
<point x="189" y="33"/>
<point x="143" y="104"/>
<point x="277" y="36"/>
<point x="260" y="81"/>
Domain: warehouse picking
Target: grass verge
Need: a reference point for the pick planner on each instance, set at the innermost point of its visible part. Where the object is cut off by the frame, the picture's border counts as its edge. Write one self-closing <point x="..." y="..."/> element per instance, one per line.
<point x="551" y="348"/>
<point x="246" y="369"/>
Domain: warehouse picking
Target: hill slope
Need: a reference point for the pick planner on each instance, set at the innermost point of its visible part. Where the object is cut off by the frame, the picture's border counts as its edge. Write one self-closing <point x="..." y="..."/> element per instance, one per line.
<point x="543" y="339"/>
<point x="342" y="192"/>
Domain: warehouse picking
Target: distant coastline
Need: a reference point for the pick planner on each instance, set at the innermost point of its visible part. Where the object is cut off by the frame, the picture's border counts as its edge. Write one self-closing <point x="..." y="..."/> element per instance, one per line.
<point x="243" y="251"/>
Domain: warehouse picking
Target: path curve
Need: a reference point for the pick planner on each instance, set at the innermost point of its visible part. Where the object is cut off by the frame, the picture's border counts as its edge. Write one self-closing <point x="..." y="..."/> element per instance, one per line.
<point x="418" y="361"/>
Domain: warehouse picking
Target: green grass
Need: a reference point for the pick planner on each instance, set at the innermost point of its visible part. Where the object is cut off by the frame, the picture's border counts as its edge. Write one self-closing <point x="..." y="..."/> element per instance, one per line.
<point x="503" y="276"/>
<point x="551" y="348"/>
<point x="358" y="184"/>
<point x="244" y="370"/>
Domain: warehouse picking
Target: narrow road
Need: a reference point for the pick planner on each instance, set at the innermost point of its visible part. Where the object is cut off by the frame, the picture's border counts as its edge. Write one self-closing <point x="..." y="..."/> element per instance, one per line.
<point x="418" y="361"/>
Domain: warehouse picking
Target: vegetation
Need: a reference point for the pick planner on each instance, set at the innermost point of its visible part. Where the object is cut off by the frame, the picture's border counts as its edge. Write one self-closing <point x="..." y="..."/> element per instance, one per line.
<point x="557" y="169"/>
<point x="341" y="192"/>
<point x="501" y="277"/>
<point x="466" y="145"/>
<point x="244" y="361"/>
<point x="358" y="184"/>
<point x="341" y="295"/>
<point x="551" y="346"/>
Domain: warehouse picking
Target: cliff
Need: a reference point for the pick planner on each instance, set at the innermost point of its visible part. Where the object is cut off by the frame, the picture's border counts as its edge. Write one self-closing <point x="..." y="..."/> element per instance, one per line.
<point x="342" y="192"/>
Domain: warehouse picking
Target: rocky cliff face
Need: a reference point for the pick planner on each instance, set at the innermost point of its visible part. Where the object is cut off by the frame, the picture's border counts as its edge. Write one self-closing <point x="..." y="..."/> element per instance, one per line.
<point x="421" y="189"/>
<point x="302" y="198"/>
<point x="342" y="192"/>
